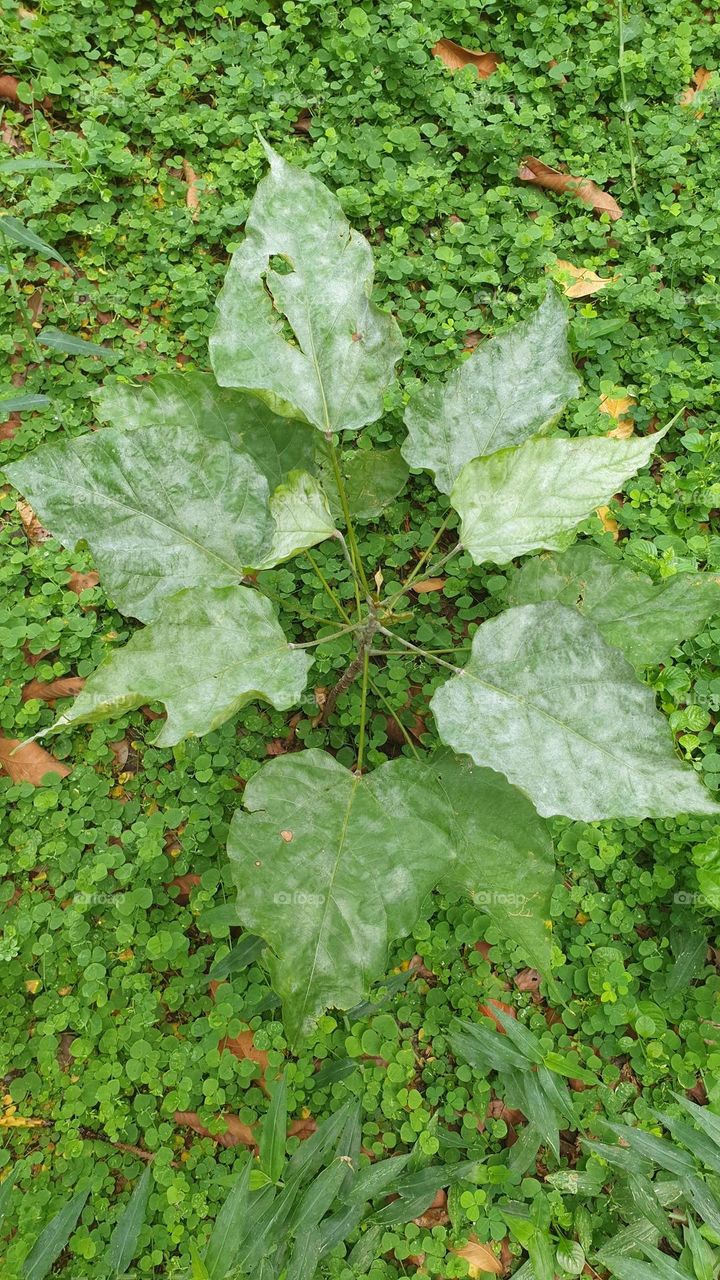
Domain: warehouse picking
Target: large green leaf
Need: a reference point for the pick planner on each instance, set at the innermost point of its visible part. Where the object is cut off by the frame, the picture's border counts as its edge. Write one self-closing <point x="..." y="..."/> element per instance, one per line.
<point x="172" y="399"/>
<point x="302" y="518"/>
<point x="373" y="479"/>
<point x="643" y="618"/>
<point x="534" y="494"/>
<point x="330" y="868"/>
<point x="209" y="651"/>
<point x="161" y="509"/>
<point x="503" y="852"/>
<point x="295" y="324"/>
<point x="505" y="392"/>
<point x="546" y="701"/>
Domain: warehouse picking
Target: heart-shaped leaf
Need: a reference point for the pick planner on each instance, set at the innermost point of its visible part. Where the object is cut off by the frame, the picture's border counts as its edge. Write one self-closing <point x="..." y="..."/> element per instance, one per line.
<point x="645" y="619"/>
<point x="276" y="446"/>
<point x="162" y="508"/>
<point x="209" y="651"/>
<point x="533" y="495"/>
<point x="296" y="325"/>
<point x="546" y="701"/>
<point x="505" y="392"/>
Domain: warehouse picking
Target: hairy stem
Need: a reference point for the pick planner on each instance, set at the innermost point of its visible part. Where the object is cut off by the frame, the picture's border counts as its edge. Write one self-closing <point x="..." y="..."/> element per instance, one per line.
<point x="355" y="559"/>
<point x="327" y="588"/>
<point x="363" y="707"/>
<point x="388" y="706"/>
<point x="426" y="653"/>
<point x="352" y="671"/>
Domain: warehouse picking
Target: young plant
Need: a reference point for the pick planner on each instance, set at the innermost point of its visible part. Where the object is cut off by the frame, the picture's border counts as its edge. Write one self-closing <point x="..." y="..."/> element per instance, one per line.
<point x="204" y="480"/>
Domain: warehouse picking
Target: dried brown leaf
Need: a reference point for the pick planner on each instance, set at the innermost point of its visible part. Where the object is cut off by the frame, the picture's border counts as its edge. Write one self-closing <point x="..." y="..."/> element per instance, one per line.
<point x="479" y="1257"/>
<point x="30" y="762"/>
<point x="51" y="690"/>
<point x="192" y="198"/>
<point x="701" y="80"/>
<point x="609" y="524"/>
<point x="455" y="56"/>
<point x="30" y="523"/>
<point x="427" y="585"/>
<point x="79" y="582"/>
<point x="236" y="1132"/>
<point x="616" y="407"/>
<point x="532" y="170"/>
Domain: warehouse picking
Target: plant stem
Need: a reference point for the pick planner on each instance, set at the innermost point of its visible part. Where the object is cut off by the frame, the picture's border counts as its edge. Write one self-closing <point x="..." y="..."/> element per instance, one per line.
<point x="21" y="304"/>
<point x="388" y="604"/>
<point x="426" y="653"/>
<point x="626" y="106"/>
<point x="342" y="493"/>
<point x="363" y="707"/>
<point x="326" y="585"/>
<point x="385" y="701"/>
<point x="344" y="631"/>
<point x="439" y="564"/>
<point x="393" y="653"/>
<point x="370" y="626"/>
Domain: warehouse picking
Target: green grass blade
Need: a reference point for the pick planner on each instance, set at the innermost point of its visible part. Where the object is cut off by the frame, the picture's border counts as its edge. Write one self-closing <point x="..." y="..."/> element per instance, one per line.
<point x="53" y="1238"/>
<point x="123" y="1241"/>
<point x="274" y="1133"/>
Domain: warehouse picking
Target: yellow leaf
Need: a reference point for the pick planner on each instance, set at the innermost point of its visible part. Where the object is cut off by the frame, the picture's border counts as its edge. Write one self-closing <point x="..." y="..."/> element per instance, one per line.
<point x="32" y="985"/>
<point x="479" y="1257"/>
<point x="579" y="282"/>
<point x="616" y="406"/>
<point x="607" y="522"/>
<point x="192" y="198"/>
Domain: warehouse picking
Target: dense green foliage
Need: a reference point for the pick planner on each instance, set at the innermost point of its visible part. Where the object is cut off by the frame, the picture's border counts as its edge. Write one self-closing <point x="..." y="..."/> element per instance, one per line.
<point x="115" y="1030"/>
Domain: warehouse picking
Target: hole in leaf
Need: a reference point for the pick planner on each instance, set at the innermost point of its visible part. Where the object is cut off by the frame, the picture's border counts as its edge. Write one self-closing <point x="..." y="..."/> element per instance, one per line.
<point x="280" y="264"/>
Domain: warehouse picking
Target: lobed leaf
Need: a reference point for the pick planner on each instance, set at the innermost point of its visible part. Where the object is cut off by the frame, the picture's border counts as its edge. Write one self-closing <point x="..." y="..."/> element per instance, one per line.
<point x="332" y="356"/>
<point x="209" y="652"/>
<point x="643" y="618"/>
<point x="535" y="494"/>
<point x="561" y="714"/>
<point x="161" y="509"/>
<point x="330" y="868"/>
<point x="508" y="390"/>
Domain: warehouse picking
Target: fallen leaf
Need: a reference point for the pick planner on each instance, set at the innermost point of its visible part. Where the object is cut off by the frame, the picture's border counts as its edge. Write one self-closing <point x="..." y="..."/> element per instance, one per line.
<point x="242" y="1046"/>
<point x="479" y="1257"/>
<point x="579" y="282"/>
<point x="79" y="582"/>
<point x="429" y="584"/>
<point x="64" y="1056"/>
<point x="497" y="1110"/>
<point x="456" y="57"/>
<point x="472" y="339"/>
<point x="487" y="1011"/>
<point x="616" y="407"/>
<point x="50" y="690"/>
<point x="120" y="750"/>
<point x="302" y="1128"/>
<point x="608" y="523"/>
<point x="701" y="80"/>
<point x="9" y="92"/>
<point x="303" y="122"/>
<point x="435" y="1215"/>
<point x="532" y="170"/>
<point x="192" y="199"/>
<point x="527" y="980"/>
<point x="32" y="659"/>
<point x="30" y="523"/>
<point x="184" y="884"/>
<point x="9" y="426"/>
<point x="236" y="1132"/>
<point x="29" y="763"/>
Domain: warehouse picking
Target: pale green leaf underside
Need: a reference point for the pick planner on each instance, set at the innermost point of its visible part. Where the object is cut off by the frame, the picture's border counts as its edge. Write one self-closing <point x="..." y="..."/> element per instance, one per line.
<point x="534" y="494"/>
<point x="333" y="363"/>
<point x="547" y="702"/>
<point x="209" y="651"/>
<point x="645" y="619"/>
<point x="302" y="518"/>
<point x="373" y="479"/>
<point x="162" y="508"/>
<point x="505" y="392"/>
<point x="276" y="445"/>
<point x="330" y="868"/>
